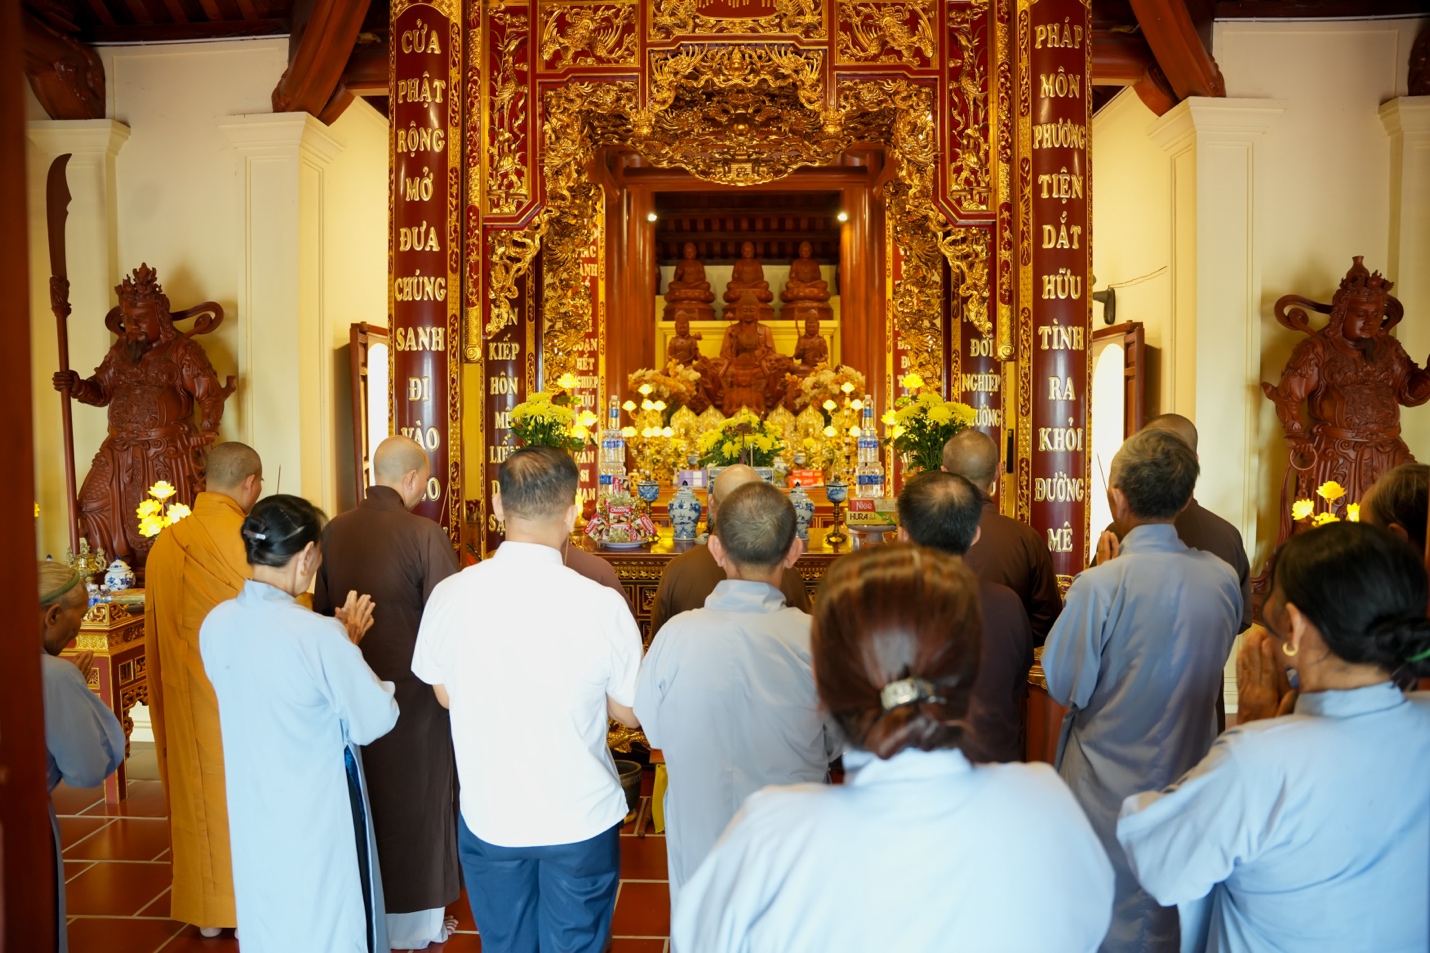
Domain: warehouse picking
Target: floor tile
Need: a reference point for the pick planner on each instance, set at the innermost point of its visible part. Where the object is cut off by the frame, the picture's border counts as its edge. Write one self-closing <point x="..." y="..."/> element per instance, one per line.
<point x="119" y="935"/>
<point x="116" y="889"/>
<point x="643" y="858"/>
<point x="70" y="800"/>
<point x="462" y="910"/>
<point x="158" y="907"/>
<point x="129" y="838"/>
<point x="642" y="910"/>
<point x="75" y="829"/>
<point x="630" y="945"/>
<point x="189" y="941"/>
<point x="459" y="943"/>
<point x="146" y="799"/>
<point x="73" y="868"/>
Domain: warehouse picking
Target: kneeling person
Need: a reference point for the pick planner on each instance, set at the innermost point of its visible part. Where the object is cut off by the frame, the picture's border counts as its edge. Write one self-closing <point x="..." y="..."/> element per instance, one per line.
<point x="727" y="691"/>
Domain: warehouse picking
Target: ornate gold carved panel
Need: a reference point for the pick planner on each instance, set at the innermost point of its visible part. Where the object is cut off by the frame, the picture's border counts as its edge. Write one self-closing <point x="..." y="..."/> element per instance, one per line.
<point x="804" y="19"/>
<point x="888" y="31"/>
<point x="968" y="130"/>
<point x="588" y="34"/>
<point x="508" y="173"/>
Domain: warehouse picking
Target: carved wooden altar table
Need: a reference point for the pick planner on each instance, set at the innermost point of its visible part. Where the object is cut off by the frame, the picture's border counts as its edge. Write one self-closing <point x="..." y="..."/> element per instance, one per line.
<point x="114" y="632"/>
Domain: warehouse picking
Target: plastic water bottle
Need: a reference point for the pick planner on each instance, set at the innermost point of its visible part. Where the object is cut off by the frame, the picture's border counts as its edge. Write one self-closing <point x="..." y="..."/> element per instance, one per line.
<point x="613" y="450"/>
<point x="869" y="470"/>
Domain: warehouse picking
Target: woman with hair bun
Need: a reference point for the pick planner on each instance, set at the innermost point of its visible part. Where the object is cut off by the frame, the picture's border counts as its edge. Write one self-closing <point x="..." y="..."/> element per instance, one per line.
<point x="1310" y="833"/>
<point x="295" y="700"/>
<point x="920" y="849"/>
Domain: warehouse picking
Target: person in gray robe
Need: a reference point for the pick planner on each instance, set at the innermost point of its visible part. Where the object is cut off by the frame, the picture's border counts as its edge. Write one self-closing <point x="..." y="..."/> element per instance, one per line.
<point x="397" y="557"/>
<point x="83" y="739"/>
<point x="727" y="692"/>
<point x="1137" y="658"/>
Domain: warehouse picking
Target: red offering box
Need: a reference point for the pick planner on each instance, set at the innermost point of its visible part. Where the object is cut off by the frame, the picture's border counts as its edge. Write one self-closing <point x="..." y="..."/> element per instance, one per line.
<point x="806" y="478"/>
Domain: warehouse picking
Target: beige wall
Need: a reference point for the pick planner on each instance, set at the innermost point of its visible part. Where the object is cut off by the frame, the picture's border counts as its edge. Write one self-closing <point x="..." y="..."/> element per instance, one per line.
<point x="1323" y="194"/>
<point x="177" y="202"/>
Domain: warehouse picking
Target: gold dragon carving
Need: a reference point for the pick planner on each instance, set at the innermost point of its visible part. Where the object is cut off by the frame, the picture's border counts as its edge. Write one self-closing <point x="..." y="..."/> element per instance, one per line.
<point x="969" y="118"/>
<point x="599" y="35"/>
<point x="880" y="32"/>
<point x="507" y="188"/>
<point x="695" y="94"/>
<point x="800" y="18"/>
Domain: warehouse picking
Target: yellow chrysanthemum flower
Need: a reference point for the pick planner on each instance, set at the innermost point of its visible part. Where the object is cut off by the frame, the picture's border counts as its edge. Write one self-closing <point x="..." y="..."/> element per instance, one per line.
<point x="889" y="418"/>
<point x="897" y="431"/>
<point x="1353" y="512"/>
<point x="727" y="448"/>
<point x="162" y="490"/>
<point x="1331" y="491"/>
<point x="1302" y="509"/>
<point x="941" y="414"/>
<point x="177" y="511"/>
<point x="912" y="381"/>
<point x="1322" y="519"/>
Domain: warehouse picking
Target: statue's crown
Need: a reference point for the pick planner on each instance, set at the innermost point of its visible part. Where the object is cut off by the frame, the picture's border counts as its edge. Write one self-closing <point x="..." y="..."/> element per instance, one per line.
<point x="143" y="286"/>
<point x="1359" y="283"/>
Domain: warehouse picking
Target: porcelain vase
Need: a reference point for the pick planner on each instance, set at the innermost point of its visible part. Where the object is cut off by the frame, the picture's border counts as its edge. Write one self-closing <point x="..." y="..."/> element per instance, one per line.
<point x="803" y="511"/>
<point x="684" y="511"/>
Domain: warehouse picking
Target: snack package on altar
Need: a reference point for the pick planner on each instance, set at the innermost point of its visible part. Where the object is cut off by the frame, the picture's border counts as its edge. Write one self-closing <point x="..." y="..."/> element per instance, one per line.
<point x="616" y="512"/>
<point x="595" y="526"/>
<point x="877" y="514"/>
<point x="806" y="478"/>
<point x="645" y="524"/>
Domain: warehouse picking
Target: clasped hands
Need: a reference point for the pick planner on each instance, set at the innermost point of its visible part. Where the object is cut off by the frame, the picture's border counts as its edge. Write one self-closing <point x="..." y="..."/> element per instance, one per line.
<point x="356" y="615"/>
<point x="1262" y="686"/>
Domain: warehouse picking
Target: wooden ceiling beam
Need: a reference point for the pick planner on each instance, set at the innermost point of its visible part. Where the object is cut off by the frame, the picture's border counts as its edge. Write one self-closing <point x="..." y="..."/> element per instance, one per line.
<point x="1174" y="40"/>
<point x="366" y="72"/>
<point x="193" y="30"/>
<point x="248" y="10"/>
<point x="1118" y="58"/>
<point x="100" y="9"/>
<point x="141" y="13"/>
<point x="1319" y="9"/>
<point x="176" y="11"/>
<point x="324" y="35"/>
<point x="212" y="11"/>
<point x="65" y="74"/>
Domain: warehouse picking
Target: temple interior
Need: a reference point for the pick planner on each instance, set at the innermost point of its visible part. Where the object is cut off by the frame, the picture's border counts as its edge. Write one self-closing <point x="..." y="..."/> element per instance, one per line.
<point x="713" y="232"/>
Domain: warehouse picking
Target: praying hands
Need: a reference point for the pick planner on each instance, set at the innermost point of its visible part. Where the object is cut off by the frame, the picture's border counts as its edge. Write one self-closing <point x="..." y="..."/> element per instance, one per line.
<point x="356" y="614"/>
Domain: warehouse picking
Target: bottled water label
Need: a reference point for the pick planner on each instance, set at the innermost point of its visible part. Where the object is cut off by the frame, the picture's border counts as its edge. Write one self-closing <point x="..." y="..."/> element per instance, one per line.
<point x="869" y="479"/>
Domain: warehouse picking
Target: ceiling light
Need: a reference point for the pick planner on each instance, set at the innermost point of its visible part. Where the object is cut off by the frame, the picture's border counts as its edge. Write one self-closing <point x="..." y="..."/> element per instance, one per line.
<point x="650" y="216"/>
<point x="843" y="216"/>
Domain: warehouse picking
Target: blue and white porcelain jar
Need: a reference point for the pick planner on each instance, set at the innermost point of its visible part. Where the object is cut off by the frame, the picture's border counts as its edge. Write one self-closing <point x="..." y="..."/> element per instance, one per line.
<point x="648" y="490"/>
<point x="118" y="576"/>
<point x="684" y="511"/>
<point x="803" y="511"/>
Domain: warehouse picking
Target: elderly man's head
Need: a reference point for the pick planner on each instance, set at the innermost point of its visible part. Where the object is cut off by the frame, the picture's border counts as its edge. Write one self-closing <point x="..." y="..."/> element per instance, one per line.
<point x="730" y="479"/>
<point x="63" y="601"/>
<point x="1177" y="425"/>
<point x="537" y="494"/>
<point x="755" y="537"/>
<point x="940" y="510"/>
<point x="1152" y="479"/>
<point x="973" y="455"/>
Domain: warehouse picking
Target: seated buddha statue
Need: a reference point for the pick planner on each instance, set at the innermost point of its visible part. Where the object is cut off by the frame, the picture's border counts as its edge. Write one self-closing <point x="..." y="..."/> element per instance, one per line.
<point x="747" y="325"/>
<point x="684" y="347"/>
<point x="811" y="348"/>
<point x="748" y="277"/>
<point x="689" y="288"/>
<point x="805" y="282"/>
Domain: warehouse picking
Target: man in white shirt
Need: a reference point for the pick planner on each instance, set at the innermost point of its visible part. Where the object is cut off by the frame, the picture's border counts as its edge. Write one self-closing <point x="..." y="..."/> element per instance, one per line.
<point x="532" y="658"/>
<point x="727" y="691"/>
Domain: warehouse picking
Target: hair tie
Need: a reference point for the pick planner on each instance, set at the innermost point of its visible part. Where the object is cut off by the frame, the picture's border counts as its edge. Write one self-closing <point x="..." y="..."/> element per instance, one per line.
<point x="52" y="596"/>
<point x="251" y="534"/>
<point x="907" y="691"/>
<point x="1419" y="656"/>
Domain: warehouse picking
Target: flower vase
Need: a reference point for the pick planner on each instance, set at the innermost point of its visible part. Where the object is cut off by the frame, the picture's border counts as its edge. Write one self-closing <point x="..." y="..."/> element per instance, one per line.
<point x="803" y="511"/>
<point x="118" y="576"/>
<point x="684" y="510"/>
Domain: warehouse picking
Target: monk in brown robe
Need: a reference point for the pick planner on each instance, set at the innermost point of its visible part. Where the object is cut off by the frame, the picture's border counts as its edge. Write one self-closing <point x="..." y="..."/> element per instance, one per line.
<point x="398" y="557"/>
<point x="194" y="565"/>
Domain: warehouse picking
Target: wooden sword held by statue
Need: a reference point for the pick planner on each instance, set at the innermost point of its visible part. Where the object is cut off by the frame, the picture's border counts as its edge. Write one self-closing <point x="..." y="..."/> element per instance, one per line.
<point x="57" y="204"/>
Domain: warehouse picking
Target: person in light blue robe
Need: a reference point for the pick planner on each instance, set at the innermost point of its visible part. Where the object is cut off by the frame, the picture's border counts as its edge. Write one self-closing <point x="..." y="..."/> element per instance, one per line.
<point x="920" y="849"/>
<point x="1137" y="657"/>
<point x="726" y="692"/>
<point x="84" y="742"/>
<point x="1310" y="832"/>
<point x="296" y="700"/>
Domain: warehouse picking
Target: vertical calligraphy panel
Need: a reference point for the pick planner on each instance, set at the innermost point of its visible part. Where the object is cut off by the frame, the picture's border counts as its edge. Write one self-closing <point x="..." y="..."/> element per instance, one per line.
<point x="588" y="363"/>
<point x="507" y="350"/>
<point x="1055" y="266"/>
<point x="424" y="251"/>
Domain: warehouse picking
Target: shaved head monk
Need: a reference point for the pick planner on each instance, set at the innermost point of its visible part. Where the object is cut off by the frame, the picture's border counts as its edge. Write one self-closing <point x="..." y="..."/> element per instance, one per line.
<point x="398" y="557"/>
<point x="1008" y="552"/>
<point x="195" y="564"/>
<point x="691" y="577"/>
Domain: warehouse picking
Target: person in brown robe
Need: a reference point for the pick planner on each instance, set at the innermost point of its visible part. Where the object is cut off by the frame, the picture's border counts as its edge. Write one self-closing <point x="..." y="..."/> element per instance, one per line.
<point x="942" y="511"/>
<point x="594" y="568"/>
<point x="1197" y="526"/>
<point x="398" y="557"/>
<point x="690" y="577"/>
<point x="1007" y="552"/>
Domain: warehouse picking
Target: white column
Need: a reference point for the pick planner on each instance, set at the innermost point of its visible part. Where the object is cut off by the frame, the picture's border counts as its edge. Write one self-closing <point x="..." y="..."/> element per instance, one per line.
<point x="91" y="241"/>
<point x="1215" y="351"/>
<point x="285" y="361"/>
<point x="1407" y="120"/>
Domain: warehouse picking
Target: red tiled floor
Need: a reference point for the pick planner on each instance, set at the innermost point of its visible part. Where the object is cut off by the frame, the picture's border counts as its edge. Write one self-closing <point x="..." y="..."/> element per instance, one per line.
<point x="459" y="943"/>
<point x="120" y="935"/>
<point x="131" y="839"/>
<point x="462" y="910"/>
<point x="70" y="800"/>
<point x="116" y="889"/>
<point x="642" y="909"/>
<point x="75" y="829"/>
<point x="629" y="945"/>
<point x="73" y="868"/>
<point x="146" y="799"/>
<point x="643" y="858"/>
<point x="189" y="941"/>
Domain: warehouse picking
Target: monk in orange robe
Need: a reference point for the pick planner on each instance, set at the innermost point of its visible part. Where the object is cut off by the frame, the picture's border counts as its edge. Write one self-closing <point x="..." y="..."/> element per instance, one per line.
<point x="195" y="564"/>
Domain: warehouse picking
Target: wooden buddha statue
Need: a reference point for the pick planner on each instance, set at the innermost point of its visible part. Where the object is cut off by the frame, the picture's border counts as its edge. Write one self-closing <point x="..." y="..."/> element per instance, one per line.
<point x="748" y="277"/>
<point x="683" y="347"/>
<point x="689" y="288"/>
<point x="747" y="333"/>
<point x="811" y="348"/>
<point x="805" y="281"/>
